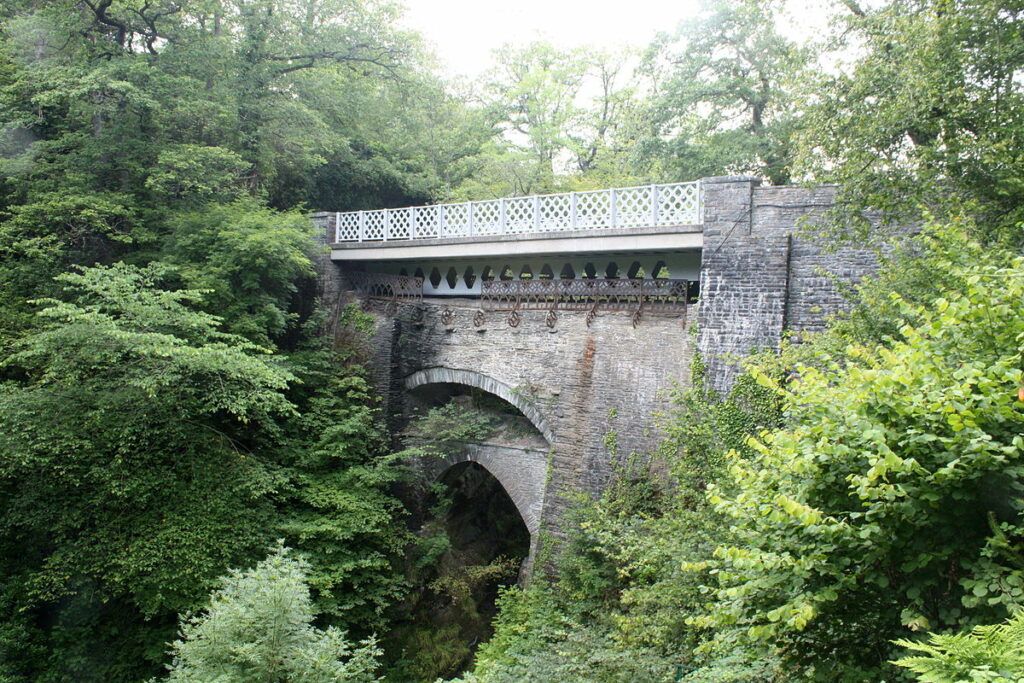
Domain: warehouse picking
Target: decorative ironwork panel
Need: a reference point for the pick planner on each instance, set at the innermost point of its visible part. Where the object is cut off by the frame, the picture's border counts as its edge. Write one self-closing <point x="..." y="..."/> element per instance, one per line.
<point x="427" y="221"/>
<point x="679" y="204"/>
<point x="456" y="220"/>
<point x="399" y="224"/>
<point x="387" y="286"/>
<point x="594" y="209"/>
<point x="487" y="217"/>
<point x="634" y="207"/>
<point x="652" y="295"/>
<point x="374" y="224"/>
<point x="555" y="213"/>
<point x="520" y="215"/>
<point x="347" y="228"/>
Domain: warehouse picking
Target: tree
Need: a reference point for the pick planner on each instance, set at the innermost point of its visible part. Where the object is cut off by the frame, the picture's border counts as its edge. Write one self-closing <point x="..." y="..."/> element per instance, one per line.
<point x="134" y="466"/>
<point x="930" y="115"/>
<point x="558" y="119"/>
<point x="249" y="260"/>
<point x="258" y="627"/>
<point x="725" y="96"/>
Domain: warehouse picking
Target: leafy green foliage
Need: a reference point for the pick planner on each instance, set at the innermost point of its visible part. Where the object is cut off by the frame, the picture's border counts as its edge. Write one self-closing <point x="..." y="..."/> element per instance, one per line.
<point x="249" y="260"/>
<point x="445" y="429"/>
<point x="726" y="103"/>
<point x="128" y="464"/>
<point x="144" y="451"/>
<point x="560" y="119"/>
<point x="258" y="627"/>
<point x="341" y="513"/>
<point x="618" y="608"/>
<point x="536" y="641"/>
<point x="986" y="653"/>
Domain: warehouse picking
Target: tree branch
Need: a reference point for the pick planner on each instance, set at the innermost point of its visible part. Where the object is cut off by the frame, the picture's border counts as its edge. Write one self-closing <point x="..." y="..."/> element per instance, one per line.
<point x="853" y="7"/>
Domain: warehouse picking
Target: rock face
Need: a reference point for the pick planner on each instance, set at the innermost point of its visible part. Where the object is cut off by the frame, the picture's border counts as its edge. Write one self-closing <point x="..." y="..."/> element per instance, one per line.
<point x="593" y="388"/>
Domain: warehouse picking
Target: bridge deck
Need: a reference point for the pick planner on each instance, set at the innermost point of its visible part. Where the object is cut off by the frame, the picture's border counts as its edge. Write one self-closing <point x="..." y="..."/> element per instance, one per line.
<point x="542" y="222"/>
<point x="622" y="240"/>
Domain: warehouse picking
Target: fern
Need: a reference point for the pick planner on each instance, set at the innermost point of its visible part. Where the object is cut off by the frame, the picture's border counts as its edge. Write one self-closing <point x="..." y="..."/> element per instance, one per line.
<point x="987" y="653"/>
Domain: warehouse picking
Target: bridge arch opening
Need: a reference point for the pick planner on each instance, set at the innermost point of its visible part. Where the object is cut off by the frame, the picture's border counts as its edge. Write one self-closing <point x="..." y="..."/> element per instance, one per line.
<point x="474" y="542"/>
<point x="451" y="379"/>
<point x="481" y="510"/>
<point x="478" y="424"/>
<point x="482" y="521"/>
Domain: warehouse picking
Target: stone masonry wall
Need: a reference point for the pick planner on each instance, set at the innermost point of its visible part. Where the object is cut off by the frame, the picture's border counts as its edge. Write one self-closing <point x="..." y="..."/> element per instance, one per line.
<point x="595" y="388"/>
<point x="758" y="278"/>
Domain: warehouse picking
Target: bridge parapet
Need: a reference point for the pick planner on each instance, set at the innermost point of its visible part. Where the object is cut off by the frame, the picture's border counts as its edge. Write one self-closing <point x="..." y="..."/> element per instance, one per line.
<point x="647" y="206"/>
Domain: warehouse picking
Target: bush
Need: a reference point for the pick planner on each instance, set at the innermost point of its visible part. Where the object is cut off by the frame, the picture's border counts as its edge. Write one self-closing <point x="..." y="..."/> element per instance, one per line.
<point x="894" y="499"/>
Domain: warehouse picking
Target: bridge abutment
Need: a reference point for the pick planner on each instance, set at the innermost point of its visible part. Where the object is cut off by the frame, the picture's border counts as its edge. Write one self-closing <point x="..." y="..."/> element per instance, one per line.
<point x="760" y="277"/>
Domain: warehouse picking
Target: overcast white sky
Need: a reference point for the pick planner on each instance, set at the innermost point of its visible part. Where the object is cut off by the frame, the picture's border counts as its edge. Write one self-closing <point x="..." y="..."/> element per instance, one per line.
<point x="464" y="32"/>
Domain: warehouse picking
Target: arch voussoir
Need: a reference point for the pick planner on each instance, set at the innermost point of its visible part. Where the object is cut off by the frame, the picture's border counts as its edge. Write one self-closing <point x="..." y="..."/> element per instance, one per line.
<point x="442" y="375"/>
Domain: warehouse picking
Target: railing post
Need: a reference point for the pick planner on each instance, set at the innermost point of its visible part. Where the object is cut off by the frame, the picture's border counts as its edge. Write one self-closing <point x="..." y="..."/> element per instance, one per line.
<point x="654" y="207"/>
<point x="471" y="219"/>
<point x="572" y="203"/>
<point x="536" y="213"/>
<point x="699" y="218"/>
<point x="502" y="217"/>
<point x="615" y="209"/>
<point x="337" y="226"/>
<point x="412" y="223"/>
<point x="362" y="226"/>
<point x="440" y="221"/>
<point x="387" y="223"/>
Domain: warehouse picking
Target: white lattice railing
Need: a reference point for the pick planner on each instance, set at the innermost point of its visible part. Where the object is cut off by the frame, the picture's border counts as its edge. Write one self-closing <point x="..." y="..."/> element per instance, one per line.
<point x="626" y="207"/>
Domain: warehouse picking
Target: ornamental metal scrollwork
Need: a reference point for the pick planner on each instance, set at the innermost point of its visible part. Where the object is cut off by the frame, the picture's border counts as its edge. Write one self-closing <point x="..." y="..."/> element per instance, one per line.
<point x="479" y="319"/>
<point x="387" y="286"/>
<point x="514" y="318"/>
<point x="672" y="204"/>
<point x="658" y="295"/>
<point x="551" y="319"/>
<point x="447" y="316"/>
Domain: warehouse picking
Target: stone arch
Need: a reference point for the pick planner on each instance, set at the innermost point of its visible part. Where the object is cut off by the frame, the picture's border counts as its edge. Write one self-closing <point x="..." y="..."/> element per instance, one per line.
<point x="522" y="479"/>
<point x="478" y="380"/>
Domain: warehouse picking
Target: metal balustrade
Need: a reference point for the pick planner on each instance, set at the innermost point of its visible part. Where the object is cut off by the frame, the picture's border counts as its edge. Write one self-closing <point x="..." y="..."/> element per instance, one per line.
<point x="624" y="207"/>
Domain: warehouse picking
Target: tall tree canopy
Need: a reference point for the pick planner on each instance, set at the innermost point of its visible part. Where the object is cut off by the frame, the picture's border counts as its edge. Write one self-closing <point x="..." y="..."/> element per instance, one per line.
<point x="930" y="114"/>
<point x="725" y="98"/>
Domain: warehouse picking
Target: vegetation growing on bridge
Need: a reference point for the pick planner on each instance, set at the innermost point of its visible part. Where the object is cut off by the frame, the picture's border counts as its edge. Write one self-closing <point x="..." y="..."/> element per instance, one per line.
<point x="169" y="408"/>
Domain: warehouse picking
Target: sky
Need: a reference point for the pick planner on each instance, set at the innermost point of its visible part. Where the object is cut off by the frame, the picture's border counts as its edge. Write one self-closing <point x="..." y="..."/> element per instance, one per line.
<point x="464" y="32"/>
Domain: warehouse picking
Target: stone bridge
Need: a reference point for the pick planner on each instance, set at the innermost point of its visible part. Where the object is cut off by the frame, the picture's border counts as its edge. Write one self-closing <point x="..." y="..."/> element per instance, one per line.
<point x="589" y="369"/>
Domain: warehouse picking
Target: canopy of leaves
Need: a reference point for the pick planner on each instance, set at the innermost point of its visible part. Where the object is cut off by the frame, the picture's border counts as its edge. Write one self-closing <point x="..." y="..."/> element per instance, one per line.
<point x="930" y="114"/>
<point x="725" y="102"/>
